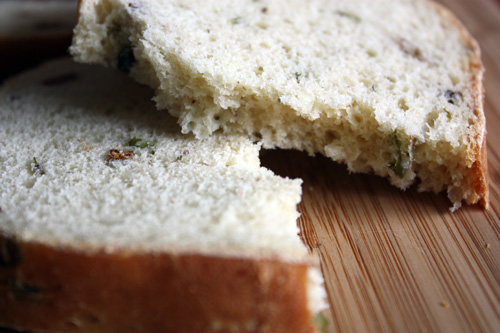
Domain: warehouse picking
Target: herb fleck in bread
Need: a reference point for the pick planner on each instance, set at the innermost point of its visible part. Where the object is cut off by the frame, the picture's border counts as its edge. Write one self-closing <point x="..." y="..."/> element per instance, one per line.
<point x="390" y="87"/>
<point x="111" y="220"/>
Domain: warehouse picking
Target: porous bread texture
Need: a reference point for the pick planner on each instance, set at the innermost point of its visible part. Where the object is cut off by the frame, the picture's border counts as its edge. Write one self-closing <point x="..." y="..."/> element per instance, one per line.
<point x="175" y="193"/>
<point x="89" y="168"/>
<point x="390" y="87"/>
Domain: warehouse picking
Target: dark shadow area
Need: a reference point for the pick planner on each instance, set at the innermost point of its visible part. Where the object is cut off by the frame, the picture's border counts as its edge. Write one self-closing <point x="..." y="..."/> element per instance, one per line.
<point x="20" y="54"/>
<point x="321" y="173"/>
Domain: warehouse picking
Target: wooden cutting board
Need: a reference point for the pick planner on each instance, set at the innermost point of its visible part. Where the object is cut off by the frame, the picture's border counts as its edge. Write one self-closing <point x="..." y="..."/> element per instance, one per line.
<point x="400" y="261"/>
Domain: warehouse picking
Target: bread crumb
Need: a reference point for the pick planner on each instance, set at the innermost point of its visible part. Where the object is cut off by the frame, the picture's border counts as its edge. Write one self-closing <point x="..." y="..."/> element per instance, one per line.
<point x="488" y="245"/>
<point x="445" y="304"/>
<point x="84" y="146"/>
<point x="115" y="154"/>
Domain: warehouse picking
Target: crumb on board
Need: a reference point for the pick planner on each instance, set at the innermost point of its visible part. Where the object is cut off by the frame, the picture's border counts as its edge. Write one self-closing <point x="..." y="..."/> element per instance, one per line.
<point x="445" y="304"/>
<point x="488" y="245"/>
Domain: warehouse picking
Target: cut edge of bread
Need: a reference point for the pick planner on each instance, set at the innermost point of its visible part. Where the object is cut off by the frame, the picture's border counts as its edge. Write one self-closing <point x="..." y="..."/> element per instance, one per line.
<point x="61" y="284"/>
<point x="469" y="185"/>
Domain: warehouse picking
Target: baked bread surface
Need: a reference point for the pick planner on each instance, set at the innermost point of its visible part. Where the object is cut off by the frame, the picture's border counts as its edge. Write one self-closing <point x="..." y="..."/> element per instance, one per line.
<point x="358" y="81"/>
<point x="110" y="220"/>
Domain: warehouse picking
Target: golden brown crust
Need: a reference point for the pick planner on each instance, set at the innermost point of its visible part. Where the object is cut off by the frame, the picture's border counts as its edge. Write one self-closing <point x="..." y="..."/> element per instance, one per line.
<point x="481" y="172"/>
<point x="480" y="167"/>
<point x="478" y="174"/>
<point x="57" y="289"/>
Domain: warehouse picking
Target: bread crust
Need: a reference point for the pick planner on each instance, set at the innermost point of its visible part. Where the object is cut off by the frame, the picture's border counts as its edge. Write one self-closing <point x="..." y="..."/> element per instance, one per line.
<point x="478" y="175"/>
<point x="64" y="289"/>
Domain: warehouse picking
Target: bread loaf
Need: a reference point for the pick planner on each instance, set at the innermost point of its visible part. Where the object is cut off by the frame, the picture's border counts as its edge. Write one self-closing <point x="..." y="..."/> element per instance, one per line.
<point x="111" y="220"/>
<point x="390" y="87"/>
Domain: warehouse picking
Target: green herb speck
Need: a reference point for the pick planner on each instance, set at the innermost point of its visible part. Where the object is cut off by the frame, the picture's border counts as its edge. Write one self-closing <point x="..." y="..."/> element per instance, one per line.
<point x="37" y="168"/>
<point x="297" y="76"/>
<point x="321" y="322"/>
<point x="400" y="165"/>
<point x="348" y="15"/>
<point x="448" y="114"/>
<point x="236" y="20"/>
<point x="140" y="143"/>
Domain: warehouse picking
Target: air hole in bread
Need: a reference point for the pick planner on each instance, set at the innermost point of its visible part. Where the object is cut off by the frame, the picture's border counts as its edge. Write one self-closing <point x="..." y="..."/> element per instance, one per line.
<point x="331" y="136"/>
<point x="262" y="25"/>
<point x="454" y="79"/>
<point x="431" y="119"/>
<point x="358" y="118"/>
<point x="402" y="104"/>
<point x="264" y="45"/>
<point x="371" y="53"/>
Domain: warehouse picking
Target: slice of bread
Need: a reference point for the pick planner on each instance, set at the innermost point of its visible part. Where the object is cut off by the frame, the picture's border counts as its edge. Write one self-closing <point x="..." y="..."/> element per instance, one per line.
<point x="390" y="87"/>
<point x="113" y="221"/>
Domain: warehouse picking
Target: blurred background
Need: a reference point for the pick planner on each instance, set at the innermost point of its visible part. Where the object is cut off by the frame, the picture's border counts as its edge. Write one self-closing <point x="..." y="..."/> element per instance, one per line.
<point x="32" y="31"/>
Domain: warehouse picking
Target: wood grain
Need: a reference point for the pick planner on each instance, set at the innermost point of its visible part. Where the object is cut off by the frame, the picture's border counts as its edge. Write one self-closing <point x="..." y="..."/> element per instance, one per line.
<point x="400" y="261"/>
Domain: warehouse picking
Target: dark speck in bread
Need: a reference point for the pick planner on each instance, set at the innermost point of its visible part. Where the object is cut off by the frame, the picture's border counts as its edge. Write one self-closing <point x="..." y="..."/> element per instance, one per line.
<point x="10" y="255"/>
<point x="23" y="289"/>
<point x="452" y="97"/>
<point x="125" y="59"/>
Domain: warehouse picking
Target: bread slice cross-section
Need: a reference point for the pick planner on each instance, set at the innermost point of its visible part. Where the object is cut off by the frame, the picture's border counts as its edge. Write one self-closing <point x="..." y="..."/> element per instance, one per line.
<point x="111" y="221"/>
<point x="390" y="87"/>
